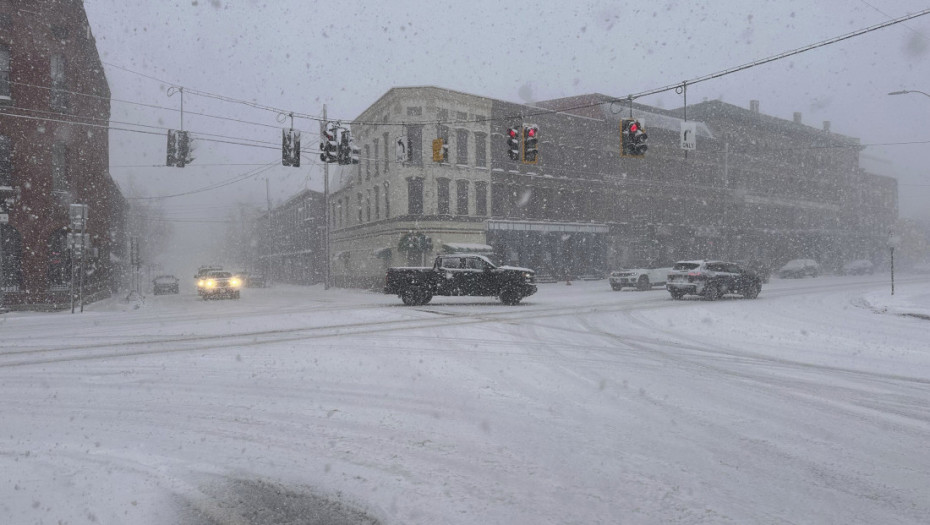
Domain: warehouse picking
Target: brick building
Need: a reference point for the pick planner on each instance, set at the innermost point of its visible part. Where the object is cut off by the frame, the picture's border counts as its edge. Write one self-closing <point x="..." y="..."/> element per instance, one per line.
<point x="291" y="249"/>
<point x="54" y="113"/>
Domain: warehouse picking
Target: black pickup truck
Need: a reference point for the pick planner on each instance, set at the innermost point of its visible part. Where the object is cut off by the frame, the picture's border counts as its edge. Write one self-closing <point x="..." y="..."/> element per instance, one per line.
<point x="460" y="274"/>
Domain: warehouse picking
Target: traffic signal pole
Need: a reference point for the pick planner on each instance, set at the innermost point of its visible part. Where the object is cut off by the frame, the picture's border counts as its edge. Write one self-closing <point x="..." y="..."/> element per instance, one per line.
<point x="327" y="271"/>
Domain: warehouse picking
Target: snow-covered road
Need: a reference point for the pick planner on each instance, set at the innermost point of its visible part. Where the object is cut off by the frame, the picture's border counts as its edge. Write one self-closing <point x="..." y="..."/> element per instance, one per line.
<point x="581" y="405"/>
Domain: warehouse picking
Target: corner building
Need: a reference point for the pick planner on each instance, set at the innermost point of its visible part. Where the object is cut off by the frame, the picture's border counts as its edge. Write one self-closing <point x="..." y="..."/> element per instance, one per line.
<point x="582" y="209"/>
<point x="54" y="114"/>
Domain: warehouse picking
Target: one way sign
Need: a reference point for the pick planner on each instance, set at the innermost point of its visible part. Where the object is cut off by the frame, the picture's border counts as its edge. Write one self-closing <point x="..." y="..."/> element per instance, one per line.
<point x="689" y="135"/>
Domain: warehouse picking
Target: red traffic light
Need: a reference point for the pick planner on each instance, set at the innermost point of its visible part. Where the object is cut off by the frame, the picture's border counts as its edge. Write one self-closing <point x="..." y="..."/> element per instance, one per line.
<point x="512" y="132"/>
<point x="531" y="132"/>
<point x="633" y="127"/>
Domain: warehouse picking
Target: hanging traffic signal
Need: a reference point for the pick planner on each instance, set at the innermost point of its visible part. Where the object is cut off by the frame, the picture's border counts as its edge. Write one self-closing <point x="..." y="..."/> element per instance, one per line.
<point x="184" y="149"/>
<point x="639" y="139"/>
<point x="632" y="138"/>
<point x="329" y="148"/>
<point x="172" y="157"/>
<point x="347" y="152"/>
<point x="513" y="143"/>
<point x="530" y="143"/>
<point x="290" y="148"/>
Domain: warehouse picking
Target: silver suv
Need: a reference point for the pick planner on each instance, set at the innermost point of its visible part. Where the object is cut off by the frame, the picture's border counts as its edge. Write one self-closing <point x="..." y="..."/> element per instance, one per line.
<point x="712" y="280"/>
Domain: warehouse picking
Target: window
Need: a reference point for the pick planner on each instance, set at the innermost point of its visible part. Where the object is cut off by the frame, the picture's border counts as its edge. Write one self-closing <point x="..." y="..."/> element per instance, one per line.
<point x="387" y="156"/>
<point x="481" y="198"/>
<point x="59" y="95"/>
<point x="377" y="149"/>
<point x="368" y="206"/>
<point x="481" y="150"/>
<point x="442" y="196"/>
<point x="377" y="202"/>
<point x="442" y="132"/>
<point x="415" y="196"/>
<point x="461" y="115"/>
<point x="451" y="263"/>
<point x="461" y="197"/>
<point x="415" y="144"/>
<point x="368" y="162"/>
<point x="498" y="194"/>
<point x="6" y="161"/>
<point x="60" y="167"/>
<point x="461" y="146"/>
<point x="11" y="258"/>
<point x="387" y="201"/>
<point x="414" y="111"/>
<point x="5" y="92"/>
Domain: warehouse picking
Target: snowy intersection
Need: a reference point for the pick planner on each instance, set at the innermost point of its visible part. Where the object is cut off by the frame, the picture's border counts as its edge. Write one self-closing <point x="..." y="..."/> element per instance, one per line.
<point x="583" y="405"/>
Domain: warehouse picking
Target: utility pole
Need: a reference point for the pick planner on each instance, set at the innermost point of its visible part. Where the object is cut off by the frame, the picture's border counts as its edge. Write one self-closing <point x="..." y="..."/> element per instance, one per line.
<point x="327" y="274"/>
<point x="270" y="233"/>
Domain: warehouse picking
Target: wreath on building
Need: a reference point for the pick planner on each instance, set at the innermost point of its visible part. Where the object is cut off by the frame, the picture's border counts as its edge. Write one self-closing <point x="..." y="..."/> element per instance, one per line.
<point x="417" y="242"/>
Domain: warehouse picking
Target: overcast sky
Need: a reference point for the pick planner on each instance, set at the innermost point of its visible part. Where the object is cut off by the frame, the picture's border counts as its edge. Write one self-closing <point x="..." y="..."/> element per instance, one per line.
<point x="298" y="55"/>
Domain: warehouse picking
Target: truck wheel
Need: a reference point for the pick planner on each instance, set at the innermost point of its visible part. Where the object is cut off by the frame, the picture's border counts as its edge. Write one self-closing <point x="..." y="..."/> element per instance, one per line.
<point x="712" y="292"/>
<point x="410" y="297"/>
<point x="752" y="290"/>
<point x="510" y="297"/>
<point x="616" y="287"/>
<point x="676" y="294"/>
<point x="643" y="283"/>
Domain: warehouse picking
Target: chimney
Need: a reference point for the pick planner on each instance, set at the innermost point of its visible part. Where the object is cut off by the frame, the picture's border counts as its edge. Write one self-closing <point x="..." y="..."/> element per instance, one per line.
<point x="797" y="117"/>
<point x="754" y="106"/>
<point x="826" y="126"/>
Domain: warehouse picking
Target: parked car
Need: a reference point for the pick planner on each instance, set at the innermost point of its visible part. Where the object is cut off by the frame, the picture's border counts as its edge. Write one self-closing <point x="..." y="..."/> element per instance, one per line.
<point x="255" y="280"/>
<point x="858" y="267"/>
<point x="798" y="268"/>
<point x="712" y="280"/>
<point x="221" y="285"/>
<point x="460" y="274"/>
<point x="165" y="284"/>
<point x="639" y="278"/>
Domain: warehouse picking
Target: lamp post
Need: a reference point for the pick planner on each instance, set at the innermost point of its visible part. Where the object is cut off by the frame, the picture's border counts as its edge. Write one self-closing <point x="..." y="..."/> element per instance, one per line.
<point x="906" y="91"/>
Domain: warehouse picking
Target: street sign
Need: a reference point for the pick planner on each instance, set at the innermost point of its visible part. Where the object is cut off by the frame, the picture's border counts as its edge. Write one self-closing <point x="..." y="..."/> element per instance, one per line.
<point x="689" y="135"/>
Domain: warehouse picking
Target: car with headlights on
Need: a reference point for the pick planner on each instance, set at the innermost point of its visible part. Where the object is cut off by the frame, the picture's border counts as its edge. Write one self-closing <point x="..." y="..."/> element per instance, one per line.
<point x="221" y="285"/>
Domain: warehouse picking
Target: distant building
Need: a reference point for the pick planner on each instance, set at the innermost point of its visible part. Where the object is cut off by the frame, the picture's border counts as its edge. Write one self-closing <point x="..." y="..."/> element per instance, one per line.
<point x="54" y="115"/>
<point x="291" y="248"/>
<point x="756" y="187"/>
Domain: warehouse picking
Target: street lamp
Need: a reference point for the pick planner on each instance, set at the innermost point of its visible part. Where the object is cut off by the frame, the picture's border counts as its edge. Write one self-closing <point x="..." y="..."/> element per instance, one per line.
<point x="906" y="91"/>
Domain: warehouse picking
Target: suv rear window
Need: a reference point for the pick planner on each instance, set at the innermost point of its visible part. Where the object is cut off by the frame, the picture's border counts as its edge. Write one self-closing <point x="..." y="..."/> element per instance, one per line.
<point x="686" y="266"/>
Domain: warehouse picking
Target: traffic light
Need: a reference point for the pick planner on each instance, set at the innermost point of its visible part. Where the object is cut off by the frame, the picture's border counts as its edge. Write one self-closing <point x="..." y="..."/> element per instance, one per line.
<point x="329" y="148"/>
<point x="513" y="143"/>
<point x="530" y="143"/>
<point x="347" y="152"/>
<point x="290" y="148"/>
<point x="639" y="139"/>
<point x="440" y="151"/>
<point x="632" y="138"/>
<point x="184" y="149"/>
<point x="172" y="157"/>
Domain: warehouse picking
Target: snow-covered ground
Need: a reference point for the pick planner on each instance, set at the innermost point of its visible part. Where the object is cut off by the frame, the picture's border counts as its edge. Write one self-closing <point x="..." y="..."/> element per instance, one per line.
<point x="581" y="405"/>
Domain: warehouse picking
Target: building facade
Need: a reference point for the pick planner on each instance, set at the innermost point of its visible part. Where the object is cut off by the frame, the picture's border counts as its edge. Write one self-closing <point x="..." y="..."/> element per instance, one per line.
<point x="756" y="187"/>
<point x="54" y="114"/>
<point x="291" y="248"/>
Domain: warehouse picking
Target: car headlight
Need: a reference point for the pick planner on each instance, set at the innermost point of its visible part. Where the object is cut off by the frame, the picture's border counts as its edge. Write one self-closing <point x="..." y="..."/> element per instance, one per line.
<point x="201" y="283"/>
<point x="235" y="283"/>
<point x="211" y="283"/>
